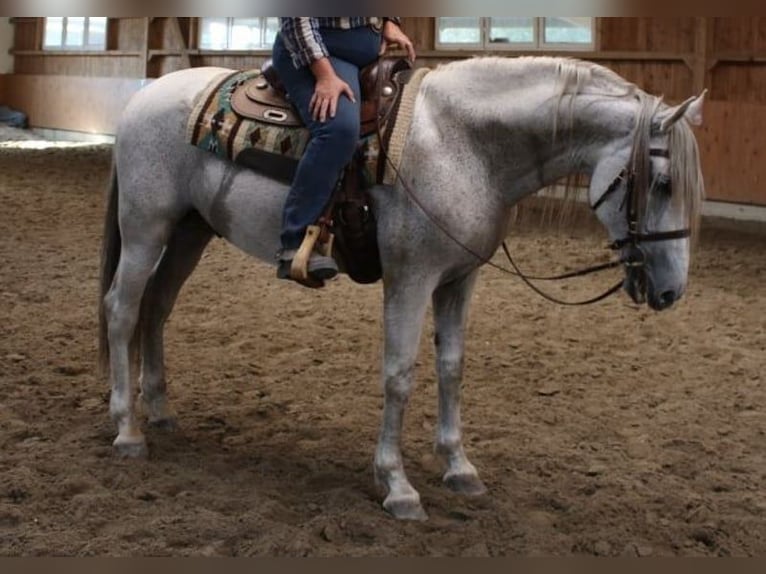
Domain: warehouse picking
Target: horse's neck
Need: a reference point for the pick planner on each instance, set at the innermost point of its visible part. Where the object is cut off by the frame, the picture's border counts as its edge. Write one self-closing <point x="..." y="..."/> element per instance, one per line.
<point x="513" y="113"/>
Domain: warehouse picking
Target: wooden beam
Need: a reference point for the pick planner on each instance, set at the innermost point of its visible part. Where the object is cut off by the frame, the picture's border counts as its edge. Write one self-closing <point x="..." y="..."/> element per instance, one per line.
<point x="39" y="33"/>
<point x="145" y="48"/>
<point x="71" y="53"/>
<point x="642" y="35"/>
<point x="703" y="35"/>
<point x="176" y="25"/>
<point x="629" y="56"/>
<point x="736" y="57"/>
<point x="599" y="31"/>
<point x="194" y="33"/>
<point x="188" y="53"/>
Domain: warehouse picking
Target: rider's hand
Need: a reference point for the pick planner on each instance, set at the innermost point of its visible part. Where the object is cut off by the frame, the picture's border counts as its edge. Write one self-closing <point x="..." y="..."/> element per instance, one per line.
<point x="328" y="90"/>
<point x="392" y="34"/>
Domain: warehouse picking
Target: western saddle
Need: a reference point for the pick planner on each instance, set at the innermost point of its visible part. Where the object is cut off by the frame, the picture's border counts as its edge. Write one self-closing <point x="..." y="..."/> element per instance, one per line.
<point x="264" y="99"/>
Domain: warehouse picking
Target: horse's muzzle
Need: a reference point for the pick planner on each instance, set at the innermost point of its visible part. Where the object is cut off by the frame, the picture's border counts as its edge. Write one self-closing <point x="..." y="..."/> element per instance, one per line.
<point x="639" y="286"/>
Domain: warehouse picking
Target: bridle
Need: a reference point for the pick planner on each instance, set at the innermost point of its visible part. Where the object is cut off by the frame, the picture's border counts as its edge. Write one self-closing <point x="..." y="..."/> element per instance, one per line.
<point x="633" y="258"/>
<point x="635" y="237"/>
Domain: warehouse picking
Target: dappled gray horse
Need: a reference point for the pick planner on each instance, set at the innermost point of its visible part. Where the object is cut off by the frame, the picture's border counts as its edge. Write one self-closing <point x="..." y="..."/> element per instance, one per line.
<point x="485" y="133"/>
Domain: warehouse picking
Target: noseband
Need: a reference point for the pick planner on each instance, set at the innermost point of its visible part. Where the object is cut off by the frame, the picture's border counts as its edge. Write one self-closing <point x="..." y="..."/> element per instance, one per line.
<point x="635" y="237"/>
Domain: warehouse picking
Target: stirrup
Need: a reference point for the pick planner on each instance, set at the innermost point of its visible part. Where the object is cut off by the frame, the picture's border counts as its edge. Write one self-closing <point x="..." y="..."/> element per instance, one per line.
<point x="310" y="265"/>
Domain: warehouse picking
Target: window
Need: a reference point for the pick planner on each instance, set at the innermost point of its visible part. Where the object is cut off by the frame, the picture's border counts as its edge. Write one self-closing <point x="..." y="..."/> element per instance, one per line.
<point x="237" y="33"/>
<point x="75" y="33"/>
<point x="515" y="33"/>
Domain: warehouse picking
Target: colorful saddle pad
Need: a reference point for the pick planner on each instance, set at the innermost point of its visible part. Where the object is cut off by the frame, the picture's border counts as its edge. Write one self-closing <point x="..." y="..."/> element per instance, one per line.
<point x="270" y="149"/>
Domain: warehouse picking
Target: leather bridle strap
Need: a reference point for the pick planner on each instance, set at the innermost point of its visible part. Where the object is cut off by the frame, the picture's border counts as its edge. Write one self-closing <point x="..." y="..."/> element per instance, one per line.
<point x="526" y="279"/>
<point x="635" y="238"/>
<point x="653" y="152"/>
<point x="570" y="274"/>
<point x="610" y="190"/>
<point x="516" y="271"/>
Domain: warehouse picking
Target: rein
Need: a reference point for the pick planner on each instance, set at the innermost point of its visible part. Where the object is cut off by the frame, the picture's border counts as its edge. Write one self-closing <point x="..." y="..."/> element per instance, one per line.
<point x="634" y="237"/>
<point x="516" y="272"/>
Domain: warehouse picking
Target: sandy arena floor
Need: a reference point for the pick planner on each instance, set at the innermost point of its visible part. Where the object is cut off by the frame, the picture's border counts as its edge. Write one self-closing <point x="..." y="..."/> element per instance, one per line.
<point x="608" y="430"/>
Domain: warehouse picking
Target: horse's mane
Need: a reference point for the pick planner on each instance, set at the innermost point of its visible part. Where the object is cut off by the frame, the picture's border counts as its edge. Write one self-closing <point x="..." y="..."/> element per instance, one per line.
<point x="578" y="77"/>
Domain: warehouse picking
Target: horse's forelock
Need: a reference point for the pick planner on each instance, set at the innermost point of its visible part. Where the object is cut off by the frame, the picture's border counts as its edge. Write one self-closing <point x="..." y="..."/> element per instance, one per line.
<point x="640" y="160"/>
<point x="686" y="173"/>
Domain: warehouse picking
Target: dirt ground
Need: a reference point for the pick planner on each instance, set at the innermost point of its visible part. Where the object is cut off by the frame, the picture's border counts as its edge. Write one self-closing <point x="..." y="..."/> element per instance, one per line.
<point x="608" y="430"/>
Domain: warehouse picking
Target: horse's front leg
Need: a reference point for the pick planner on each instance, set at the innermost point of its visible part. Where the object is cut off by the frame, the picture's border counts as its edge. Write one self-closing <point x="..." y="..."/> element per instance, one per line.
<point x="404" y="312"/>
<point x="450" y="303"/>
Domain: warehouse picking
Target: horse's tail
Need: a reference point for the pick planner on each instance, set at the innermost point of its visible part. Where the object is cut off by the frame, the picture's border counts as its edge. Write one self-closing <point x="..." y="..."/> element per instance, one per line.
<point x="111" y="245"/>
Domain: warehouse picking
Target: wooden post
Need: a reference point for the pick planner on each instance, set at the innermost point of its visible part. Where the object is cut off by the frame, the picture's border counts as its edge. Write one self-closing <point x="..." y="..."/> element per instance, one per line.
<point x="39" y="33"/>
<point x="703" y="36"/>
<point x="642" y="34"/>
<point x="185" y="59"/>
<point x="145" y="48"/>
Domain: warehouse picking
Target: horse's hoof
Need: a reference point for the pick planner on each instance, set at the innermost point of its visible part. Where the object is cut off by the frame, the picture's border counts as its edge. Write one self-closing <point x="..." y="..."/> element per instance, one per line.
<point x="134" y="450"/>
<point x="169" y="424"/>
<point x="466" y="484"/>
<point x="406" y="508"/>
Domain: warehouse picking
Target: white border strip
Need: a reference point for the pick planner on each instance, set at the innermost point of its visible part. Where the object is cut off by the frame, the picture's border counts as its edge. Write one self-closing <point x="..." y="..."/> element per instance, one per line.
<point x="734" y="211"/>
<point x="710" y="208"/>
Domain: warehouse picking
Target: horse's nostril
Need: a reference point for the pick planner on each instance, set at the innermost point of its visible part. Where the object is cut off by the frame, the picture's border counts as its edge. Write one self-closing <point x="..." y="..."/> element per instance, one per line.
<point x="667" y="298"/>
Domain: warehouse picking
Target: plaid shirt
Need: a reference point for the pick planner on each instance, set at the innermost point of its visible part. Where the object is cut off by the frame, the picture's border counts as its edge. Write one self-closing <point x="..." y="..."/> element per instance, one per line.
<point x="304" y="42"/>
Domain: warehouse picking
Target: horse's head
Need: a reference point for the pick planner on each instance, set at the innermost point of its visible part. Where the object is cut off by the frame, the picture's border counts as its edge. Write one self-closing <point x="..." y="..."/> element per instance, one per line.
<point x="647" y="190"/>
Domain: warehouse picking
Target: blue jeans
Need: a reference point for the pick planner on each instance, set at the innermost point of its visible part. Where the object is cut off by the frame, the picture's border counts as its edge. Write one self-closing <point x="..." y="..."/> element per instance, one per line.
<point x="333" y="142"/>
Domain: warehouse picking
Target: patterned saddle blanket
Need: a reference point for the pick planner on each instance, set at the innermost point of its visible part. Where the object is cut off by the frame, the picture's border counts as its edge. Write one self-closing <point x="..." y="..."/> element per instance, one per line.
<point x="218" y="125"/>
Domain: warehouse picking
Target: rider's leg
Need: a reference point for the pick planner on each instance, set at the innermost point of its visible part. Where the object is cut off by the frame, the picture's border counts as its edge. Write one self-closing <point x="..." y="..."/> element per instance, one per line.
<point x="330" y="149"/>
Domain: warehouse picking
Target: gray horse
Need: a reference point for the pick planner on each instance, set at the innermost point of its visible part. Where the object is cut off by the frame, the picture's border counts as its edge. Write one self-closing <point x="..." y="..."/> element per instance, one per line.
<point x="485" y="133"/>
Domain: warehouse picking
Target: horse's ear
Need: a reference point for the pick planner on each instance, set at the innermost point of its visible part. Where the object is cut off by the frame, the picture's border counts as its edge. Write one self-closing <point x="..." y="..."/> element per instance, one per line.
<point x="691" y="109"/>
<point x="694" y="112"/>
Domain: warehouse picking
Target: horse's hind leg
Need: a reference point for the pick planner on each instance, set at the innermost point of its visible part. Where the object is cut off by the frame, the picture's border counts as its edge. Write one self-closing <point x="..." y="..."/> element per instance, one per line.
<point x="179" y="260"/>
<point x="450" y="304"/>
<point x="141" y="249"/>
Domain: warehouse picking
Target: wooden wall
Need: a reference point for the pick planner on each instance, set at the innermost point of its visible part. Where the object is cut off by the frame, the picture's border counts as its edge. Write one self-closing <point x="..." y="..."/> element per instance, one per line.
<point x="6" y="44"/>
<point x="75" y="103"/>
<point x="739" y="60"/>
<point x="676" y="57"/>
<point x="732" y="151"/>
